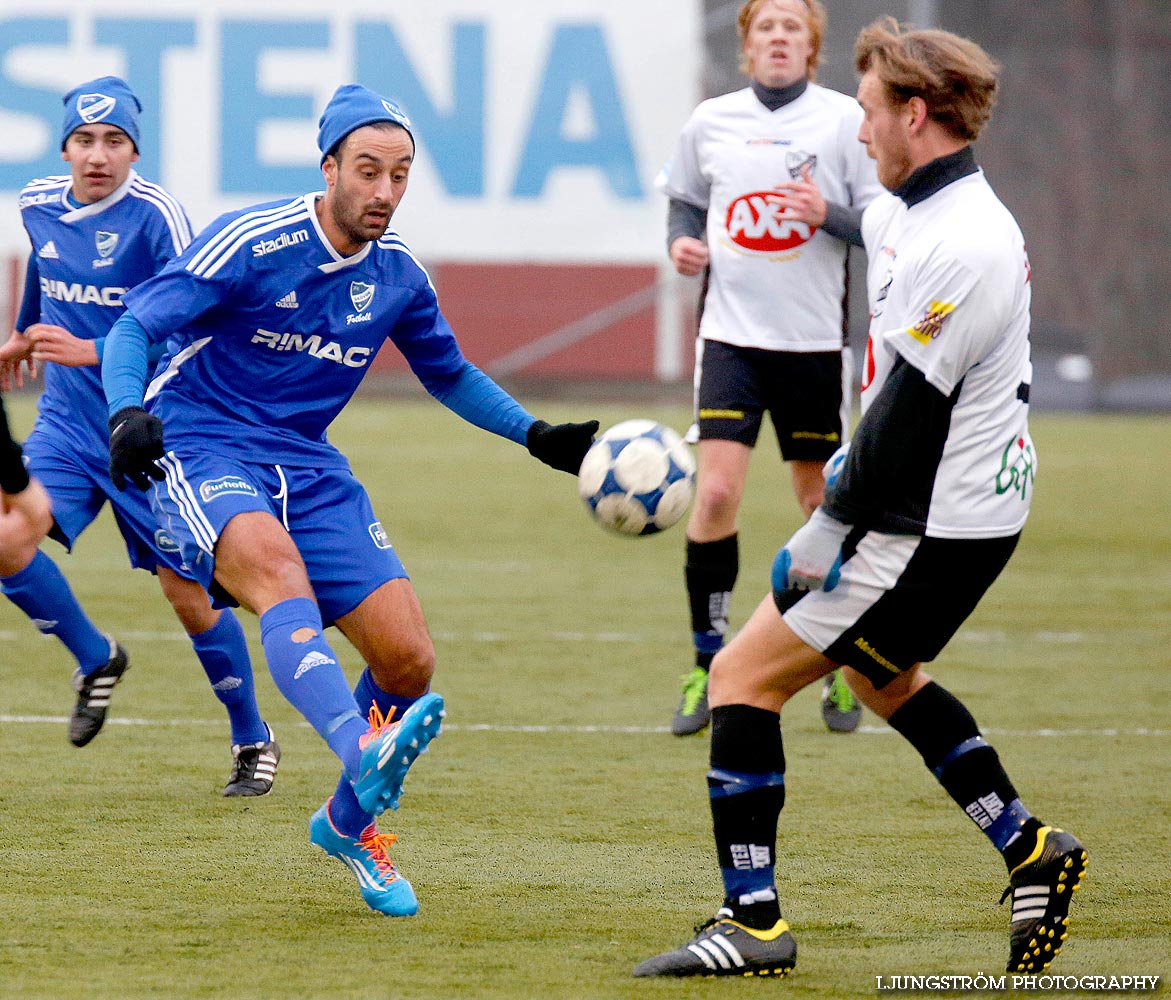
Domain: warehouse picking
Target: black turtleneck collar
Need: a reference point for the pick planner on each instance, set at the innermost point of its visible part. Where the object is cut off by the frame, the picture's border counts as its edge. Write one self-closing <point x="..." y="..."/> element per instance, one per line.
<point x="936" y="175"/>
<point x="777" y="97"/>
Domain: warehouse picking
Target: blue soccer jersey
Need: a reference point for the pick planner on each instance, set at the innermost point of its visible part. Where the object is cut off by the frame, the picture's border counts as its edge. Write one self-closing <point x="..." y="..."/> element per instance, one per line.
<point x="87" y="258"/>
<point x="269" y="332"/>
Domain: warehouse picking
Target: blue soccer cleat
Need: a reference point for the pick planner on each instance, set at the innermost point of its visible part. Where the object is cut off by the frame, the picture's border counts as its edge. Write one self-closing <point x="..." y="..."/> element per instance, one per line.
<point x="382" y="887"/>
<point x="390" y="748"/>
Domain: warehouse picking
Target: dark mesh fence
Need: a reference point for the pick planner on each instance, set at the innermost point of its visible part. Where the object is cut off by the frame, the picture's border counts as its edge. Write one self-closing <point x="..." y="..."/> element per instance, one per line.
<point x="1080" y="149"/>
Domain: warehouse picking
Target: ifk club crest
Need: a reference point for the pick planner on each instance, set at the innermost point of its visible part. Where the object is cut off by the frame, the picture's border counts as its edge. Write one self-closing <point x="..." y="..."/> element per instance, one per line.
<point x="105" y="243"/>
<point x="361" y="294"/>
<point x="95" y="107"/>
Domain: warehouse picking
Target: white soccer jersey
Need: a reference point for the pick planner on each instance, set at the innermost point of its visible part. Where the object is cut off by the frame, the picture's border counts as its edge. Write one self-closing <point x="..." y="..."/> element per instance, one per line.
<point x="774" y="284"/>
<point x="948" y="284"/>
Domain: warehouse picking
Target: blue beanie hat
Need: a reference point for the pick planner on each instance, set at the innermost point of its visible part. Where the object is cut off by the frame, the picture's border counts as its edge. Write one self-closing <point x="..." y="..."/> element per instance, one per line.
<point x="351" y="107"/>
<point x="107" y="100"/>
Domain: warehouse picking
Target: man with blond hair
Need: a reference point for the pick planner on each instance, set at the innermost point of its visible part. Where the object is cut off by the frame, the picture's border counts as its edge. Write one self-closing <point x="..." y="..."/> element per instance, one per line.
<point x="770" y="338"/>
<point x="926" y="511"/>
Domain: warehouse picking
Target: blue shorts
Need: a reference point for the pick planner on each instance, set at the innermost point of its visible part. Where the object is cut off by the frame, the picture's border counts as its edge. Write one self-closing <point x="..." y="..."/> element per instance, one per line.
<point x="326" y="512"/>
<point x="78" y="484"/>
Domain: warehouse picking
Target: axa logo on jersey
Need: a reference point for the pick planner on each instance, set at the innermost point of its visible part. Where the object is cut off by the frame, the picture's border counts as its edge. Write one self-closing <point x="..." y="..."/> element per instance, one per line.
<point x="754" y="222"/>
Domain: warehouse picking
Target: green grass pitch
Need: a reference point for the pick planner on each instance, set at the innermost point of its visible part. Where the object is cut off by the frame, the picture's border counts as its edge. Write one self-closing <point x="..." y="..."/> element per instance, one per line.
<point x="556" y="834"/>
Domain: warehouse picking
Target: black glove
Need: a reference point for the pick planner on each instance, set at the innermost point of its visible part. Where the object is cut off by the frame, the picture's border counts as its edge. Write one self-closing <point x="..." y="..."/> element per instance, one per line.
<point x="136" y="440"/>
<point x="564" y="446"/>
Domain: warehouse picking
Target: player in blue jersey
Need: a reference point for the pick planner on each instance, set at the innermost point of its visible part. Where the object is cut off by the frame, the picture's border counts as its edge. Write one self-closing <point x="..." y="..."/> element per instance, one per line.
<point x="274" y="314"/>
<point x="96" y="232"/>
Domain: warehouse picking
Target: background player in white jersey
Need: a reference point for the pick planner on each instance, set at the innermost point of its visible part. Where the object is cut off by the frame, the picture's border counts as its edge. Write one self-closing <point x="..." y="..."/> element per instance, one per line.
<point x="274" y="314"/>
<point x="928" y="508"/>
<point x="96" y="232"/>
<point x="770" y="337"/>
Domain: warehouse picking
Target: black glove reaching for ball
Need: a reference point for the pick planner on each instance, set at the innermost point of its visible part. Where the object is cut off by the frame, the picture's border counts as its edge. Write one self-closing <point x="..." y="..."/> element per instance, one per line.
<point x="136" y="441"/>
<point x="563" y="446"/>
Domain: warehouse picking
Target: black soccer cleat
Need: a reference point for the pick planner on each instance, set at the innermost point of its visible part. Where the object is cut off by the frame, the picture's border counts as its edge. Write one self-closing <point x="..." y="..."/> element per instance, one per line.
<point x="723" y="947"/>
<point x="1041" y="890"/>
<point x="253" y="767"/>
<point x="93" y="696"/>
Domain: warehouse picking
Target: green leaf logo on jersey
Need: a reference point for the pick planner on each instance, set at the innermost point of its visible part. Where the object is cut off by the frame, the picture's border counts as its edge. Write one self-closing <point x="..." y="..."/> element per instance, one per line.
<point x="1018" y="467"/>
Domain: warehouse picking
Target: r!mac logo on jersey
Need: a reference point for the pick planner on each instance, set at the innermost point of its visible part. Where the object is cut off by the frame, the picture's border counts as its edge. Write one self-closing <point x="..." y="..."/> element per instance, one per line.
<point x="754" y="222"/>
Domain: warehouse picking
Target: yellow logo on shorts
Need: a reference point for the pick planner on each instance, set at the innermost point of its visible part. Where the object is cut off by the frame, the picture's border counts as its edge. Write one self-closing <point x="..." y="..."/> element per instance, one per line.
<point x="875" y="655"/>
<point x="721" y="414"/>
<point x="815" y="436"/>
<point x="928" y="328"/>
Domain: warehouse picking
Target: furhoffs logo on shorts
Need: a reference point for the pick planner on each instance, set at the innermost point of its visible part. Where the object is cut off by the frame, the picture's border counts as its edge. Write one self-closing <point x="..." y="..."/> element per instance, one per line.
<point x="213" y="488"/>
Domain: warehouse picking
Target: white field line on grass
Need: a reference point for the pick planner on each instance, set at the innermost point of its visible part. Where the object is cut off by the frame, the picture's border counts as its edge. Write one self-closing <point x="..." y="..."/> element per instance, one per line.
<point x="492" y="727"/>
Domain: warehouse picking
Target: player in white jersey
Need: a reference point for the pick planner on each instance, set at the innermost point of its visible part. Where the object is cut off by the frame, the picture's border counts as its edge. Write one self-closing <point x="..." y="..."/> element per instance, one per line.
<point x="97" y="232"/>
<point x="272" y="317"/>
<point x="770" y="336"/>
<point x="925" y="513"/>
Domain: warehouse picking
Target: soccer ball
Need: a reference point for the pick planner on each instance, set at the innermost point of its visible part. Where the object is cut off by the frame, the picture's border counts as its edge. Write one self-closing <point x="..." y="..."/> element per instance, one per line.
<point x="637" y="478"/>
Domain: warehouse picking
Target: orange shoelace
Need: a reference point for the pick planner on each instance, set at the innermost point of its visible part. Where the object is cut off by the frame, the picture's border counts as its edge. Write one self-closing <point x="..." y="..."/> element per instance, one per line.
<point x="379" y="723"/>
<point x="377" y="845"/>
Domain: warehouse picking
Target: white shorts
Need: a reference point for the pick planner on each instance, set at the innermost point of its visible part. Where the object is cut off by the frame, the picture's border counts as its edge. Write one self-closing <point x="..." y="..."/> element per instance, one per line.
<point x="899" y="601"/>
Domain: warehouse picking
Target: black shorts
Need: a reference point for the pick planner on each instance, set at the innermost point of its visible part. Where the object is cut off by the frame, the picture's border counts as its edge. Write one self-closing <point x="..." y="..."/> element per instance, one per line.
<point x="881" y="629"/>
<point x="801" y="393"/>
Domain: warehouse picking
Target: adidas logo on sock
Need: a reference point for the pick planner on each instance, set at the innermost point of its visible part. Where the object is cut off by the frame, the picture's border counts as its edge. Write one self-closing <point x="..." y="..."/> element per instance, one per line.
<point x="311" y="660"/>
<point x="49" y="251"/>
<point x="288" y="301"/>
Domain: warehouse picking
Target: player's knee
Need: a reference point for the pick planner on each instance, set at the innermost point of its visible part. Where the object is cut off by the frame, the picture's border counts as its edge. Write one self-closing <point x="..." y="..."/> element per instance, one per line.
<point x="717" y="499"/>
<point x="406" y="666"/>
<point x="190" y="602"/>
<point x="19" y="539"/>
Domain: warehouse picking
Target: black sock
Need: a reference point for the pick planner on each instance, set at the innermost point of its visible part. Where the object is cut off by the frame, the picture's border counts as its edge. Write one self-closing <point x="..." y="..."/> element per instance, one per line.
<point x="710" y="571"/>
<point x="937" y="724"/>
<point x="747" y="791"/>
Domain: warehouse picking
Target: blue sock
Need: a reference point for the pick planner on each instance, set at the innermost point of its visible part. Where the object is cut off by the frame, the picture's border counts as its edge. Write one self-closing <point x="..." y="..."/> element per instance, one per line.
<point x="41" y="591"/>
<point x="349" y="817"/>
<point x="707" y="644"/>
<point x="306" y="671"/>
<point x="366" y="691"/>
<point x="223" y="652"/>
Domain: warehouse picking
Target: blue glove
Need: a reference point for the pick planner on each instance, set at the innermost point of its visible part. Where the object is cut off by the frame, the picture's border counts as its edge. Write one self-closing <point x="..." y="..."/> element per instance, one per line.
<point x="833" y="468"/>
<point x="812" y="558"/>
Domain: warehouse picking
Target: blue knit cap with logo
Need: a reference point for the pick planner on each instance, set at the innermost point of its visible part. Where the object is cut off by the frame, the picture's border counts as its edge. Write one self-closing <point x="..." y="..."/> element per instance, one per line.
<point x="107" y="100"/>
<point x="351" y="107"/>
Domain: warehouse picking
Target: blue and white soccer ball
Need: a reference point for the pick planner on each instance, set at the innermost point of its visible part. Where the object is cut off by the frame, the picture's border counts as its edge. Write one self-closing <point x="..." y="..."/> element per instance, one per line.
<point x="637" y="478"/>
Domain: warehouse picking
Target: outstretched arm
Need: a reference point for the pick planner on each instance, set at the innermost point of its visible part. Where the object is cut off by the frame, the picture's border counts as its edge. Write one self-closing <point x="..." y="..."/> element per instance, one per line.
<point x="479" y="400"/>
